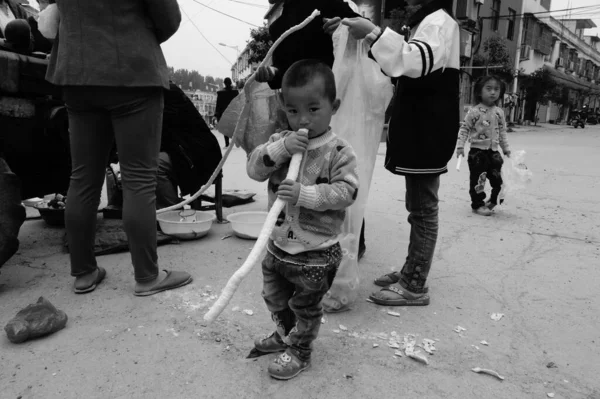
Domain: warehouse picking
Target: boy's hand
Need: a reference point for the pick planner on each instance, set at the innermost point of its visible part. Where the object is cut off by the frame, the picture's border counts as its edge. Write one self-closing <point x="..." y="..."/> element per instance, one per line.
<point x="265" y="74"/>
<point x="296" y="142"/>
<point x="331" y="24"/>
<point x="507" y="154"/>
<point x="359" y="28"/>
<point x="460" y="152"/>
<point x="289" y="191"/>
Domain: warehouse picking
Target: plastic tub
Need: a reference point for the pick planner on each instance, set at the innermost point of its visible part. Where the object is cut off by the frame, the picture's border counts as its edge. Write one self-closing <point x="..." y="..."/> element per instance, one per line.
<point x="52" y="216"/>
<point x="247" y="224"/>
<point x="183" y="227"/>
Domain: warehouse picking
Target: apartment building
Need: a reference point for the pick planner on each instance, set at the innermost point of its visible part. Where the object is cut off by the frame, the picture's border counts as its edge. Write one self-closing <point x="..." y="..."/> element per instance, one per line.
<point x="205" y="100"/>
<point x="242" y="68"/>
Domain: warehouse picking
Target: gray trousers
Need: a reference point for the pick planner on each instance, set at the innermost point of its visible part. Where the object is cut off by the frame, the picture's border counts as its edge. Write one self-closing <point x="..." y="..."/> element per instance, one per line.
<point x="97" y="117"/>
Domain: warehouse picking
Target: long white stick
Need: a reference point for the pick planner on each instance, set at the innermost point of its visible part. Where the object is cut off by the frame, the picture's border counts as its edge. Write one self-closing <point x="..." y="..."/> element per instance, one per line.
<point x="210" y="181"/>
<point x="259" y="246"/>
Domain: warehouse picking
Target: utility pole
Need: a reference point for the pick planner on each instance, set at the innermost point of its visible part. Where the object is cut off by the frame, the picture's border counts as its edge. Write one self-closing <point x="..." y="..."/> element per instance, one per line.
<point x="518" y="60"/>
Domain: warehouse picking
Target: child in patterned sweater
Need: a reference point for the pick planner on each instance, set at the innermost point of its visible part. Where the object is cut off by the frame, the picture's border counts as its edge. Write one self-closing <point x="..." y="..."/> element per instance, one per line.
<point x="485" y="126"/>
<point x="304" y="251"/>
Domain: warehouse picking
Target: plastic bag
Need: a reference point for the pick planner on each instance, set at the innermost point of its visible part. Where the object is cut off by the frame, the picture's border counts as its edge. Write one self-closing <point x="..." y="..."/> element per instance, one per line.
<point x="515" y="174"/>
<point x="255" y="113"/>
<point x="365" y="93"/>
<point x="48" y="22"/>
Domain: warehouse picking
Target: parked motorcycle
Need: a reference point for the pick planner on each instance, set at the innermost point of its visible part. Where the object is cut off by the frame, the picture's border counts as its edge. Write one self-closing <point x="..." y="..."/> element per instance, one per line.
<point x="578" y="119"/>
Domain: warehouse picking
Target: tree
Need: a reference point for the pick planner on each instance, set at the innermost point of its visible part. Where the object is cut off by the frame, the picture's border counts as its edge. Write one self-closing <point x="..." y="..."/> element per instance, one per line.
<point x="259" y="44"/>
<point x="495" y="53"/>
<point x="540" y="88"/>
<point x="401" y="15"/>
<point x="560" y="97"/>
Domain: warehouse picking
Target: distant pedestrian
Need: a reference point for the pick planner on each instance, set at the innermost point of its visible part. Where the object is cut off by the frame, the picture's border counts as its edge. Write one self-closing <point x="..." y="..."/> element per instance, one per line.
<point x="485" y="127"/>
<point x="224" y="97"/>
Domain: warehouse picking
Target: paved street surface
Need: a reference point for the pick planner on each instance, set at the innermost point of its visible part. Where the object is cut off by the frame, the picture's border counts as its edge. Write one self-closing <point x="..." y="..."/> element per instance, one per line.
<point x="537" y="261"/>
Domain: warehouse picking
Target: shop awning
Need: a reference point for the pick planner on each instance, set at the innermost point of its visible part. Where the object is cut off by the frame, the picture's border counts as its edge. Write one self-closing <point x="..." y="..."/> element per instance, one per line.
<point x="571" y="81"/>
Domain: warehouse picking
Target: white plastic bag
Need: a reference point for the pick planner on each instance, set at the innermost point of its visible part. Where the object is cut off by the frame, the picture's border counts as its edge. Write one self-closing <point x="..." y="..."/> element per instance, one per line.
<point x="48" y="22"/>
<point x="365" y="93"/>
<point x="515" y="174"/>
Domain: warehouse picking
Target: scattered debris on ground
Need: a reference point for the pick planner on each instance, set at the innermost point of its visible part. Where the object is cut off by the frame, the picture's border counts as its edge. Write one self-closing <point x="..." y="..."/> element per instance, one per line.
<point x="488" y="372"/>
<point x="497" y="316"/>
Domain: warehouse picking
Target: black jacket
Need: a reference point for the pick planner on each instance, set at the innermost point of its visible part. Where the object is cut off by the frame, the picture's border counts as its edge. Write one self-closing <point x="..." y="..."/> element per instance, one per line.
<point x="310" y="42"/>
<point x="192" y="147"/>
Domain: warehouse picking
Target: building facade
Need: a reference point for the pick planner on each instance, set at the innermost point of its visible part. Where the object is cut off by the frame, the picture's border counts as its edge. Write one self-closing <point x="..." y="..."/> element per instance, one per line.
<point x="242" y="68"/>
<point x="205" y="101"/>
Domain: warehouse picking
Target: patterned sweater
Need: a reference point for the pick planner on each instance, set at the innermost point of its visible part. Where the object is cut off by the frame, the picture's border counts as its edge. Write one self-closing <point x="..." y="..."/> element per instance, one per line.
<point x="329" y="184"/>
<point x="485" y="127"/>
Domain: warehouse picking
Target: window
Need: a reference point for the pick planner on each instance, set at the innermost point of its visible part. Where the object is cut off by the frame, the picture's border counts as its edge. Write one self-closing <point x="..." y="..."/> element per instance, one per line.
<point x="495" y="14"/>
<point x="512" y="16"/>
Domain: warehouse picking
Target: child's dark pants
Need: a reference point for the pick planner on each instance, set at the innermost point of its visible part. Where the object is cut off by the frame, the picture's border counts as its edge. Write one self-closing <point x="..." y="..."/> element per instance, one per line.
<point x="488" y="162"/>
<point x="293" y="287"/>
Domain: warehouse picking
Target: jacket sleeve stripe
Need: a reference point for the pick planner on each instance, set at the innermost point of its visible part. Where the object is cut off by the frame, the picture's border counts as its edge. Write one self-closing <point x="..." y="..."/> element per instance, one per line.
<point x="430" y="52"/>
<point x="423" y="58"/>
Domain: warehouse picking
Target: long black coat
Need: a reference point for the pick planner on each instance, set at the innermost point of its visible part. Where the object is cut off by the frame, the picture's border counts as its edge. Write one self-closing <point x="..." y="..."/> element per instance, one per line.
<point x="192" y="147"/>
<point x="310" y="42"/>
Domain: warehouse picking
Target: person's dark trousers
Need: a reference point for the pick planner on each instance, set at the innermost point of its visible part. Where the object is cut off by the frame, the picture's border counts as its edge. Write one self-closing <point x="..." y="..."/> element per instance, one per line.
<point x="484" y="164"/>
<point x="422" y="206"/>
<point x="97" y="117"/>
<point x="293" y="288"/>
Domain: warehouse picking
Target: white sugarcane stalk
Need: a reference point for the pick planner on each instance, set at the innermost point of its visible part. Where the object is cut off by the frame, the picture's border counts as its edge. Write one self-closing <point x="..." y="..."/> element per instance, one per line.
<point x="210" y="181"/>
<point x="259" y="246"/>
<point x="460" y="157"/>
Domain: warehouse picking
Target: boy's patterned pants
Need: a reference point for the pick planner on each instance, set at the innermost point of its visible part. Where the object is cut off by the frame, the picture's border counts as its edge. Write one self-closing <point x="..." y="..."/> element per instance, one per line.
<point x="293" y="287"/>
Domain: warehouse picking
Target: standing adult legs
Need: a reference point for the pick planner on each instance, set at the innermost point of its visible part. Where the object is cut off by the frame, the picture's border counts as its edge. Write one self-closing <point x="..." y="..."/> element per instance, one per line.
<point x="91" y="138"/>
<point x="137" y="122"/>
<point x="166" y="182"/>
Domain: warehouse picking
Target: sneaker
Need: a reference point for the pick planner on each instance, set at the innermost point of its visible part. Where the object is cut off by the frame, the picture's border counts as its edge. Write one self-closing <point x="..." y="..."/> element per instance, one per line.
<point x="270" y="343"/>
<point x="483" y="211"/>
<point x="287" y="365"/>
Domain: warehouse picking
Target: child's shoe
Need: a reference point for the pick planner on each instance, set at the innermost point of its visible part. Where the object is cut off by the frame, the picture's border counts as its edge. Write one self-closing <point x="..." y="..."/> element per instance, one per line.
<point x="287" y="365"/>
<point x="270" y="343"/>
<point x="483" y="211"/>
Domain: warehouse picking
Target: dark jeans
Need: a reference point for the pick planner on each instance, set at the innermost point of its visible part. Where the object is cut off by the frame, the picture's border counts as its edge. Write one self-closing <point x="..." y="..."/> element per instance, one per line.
<point x="293" y="287"/>
<point x="422" y="205"/>
<point x="97" y="117"/>
<point x="484" y="164"/>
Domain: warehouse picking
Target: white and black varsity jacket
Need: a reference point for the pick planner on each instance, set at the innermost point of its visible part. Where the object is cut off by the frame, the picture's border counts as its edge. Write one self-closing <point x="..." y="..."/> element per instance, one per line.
<point x="426" y="116"/>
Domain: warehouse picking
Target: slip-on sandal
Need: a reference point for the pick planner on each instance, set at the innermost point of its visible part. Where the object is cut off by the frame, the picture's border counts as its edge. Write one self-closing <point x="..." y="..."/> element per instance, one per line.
<point x="92" y="287"/>
<point x="172" y="280"/>
<point x="403" y="298"/>
<point x="392" y="278"/>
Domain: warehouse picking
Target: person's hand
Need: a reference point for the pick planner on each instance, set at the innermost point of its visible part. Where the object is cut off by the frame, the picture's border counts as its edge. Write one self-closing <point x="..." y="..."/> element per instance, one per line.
<point x="331" y="24"/>
<point x="507" y="154"/>
<point x="296" y="142"/>
<point x="359" y="28"/>
<point x="289" y="191"/>
<point x="265" y="74"/>
<point x="460" y="152"/>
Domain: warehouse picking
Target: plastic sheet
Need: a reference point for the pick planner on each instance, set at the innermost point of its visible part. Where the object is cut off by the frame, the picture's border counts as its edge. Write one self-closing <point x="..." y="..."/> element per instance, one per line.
<point x="515" y="175"/>
<point x="48" y="21"/>
<point x="365" y="93"/>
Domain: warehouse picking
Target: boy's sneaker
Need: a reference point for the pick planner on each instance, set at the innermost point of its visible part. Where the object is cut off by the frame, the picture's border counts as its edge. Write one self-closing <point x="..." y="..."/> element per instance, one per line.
<point x="490" y="206"/>
<point x="270" y="343"/>
<point x="287" y="365"/>
<point x="483" y="211"/>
